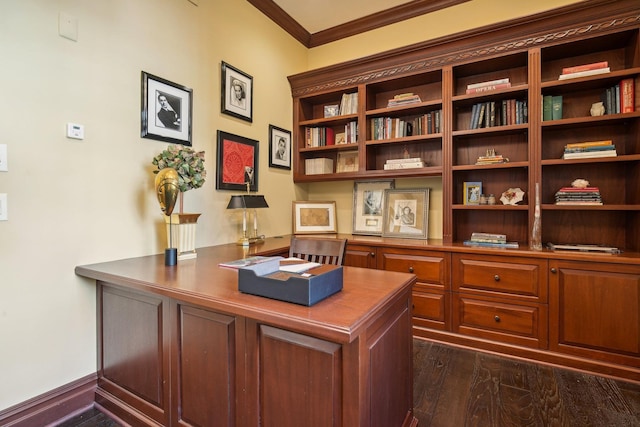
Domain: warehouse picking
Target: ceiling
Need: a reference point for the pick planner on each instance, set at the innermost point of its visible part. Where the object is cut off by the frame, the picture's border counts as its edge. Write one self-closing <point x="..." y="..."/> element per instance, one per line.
<point x="317" y="22"/>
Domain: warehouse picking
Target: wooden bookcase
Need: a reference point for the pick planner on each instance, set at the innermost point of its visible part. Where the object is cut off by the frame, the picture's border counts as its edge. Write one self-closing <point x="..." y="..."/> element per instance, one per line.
<point x="531" y="52"/>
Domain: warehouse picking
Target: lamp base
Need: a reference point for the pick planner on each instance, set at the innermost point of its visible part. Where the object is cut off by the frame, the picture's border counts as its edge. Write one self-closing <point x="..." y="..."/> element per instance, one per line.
<point x="246" y="241"/>
<point x="170" y="256"/>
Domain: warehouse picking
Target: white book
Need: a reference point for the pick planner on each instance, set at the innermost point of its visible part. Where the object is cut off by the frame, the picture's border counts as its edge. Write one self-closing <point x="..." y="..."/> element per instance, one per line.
<point x="489" y="83"/>
<point x="590" y="154"/>
<point x="412" y="159"/>
<point x="410" y="165"/>
<point x="584" y="73"/>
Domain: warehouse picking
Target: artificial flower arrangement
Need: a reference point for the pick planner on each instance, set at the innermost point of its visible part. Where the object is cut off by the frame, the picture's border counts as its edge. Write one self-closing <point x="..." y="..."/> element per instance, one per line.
<point x="187" y="162"/>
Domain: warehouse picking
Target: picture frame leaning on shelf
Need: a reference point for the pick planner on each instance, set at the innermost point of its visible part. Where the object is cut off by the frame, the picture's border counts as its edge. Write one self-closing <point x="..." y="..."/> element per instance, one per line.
<point x="406" y="213"/>
<point x="368" y="206"/>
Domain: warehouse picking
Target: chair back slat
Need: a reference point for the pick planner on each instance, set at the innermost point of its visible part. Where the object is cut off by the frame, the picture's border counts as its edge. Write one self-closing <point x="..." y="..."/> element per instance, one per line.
<point x="320" y="250"/>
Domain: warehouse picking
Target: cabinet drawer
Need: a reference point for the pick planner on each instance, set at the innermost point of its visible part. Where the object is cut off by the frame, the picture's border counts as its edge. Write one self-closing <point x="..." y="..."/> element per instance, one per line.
<point x="509" y="323"/>
<point x="430" y="309"/>
<point x="518" y="277"/>
<point x="429" y="267"/>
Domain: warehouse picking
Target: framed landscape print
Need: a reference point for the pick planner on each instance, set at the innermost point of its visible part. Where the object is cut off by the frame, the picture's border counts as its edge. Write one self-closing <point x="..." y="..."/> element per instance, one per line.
<point x="279" y="148"/>
<point x="237" y="163"/>
<point x="166" y="110"/>
<point x="368" y="206"/>
<point x="406" y="213"/>
<point x="314" y="217"/>
<point x="237" y="93"/>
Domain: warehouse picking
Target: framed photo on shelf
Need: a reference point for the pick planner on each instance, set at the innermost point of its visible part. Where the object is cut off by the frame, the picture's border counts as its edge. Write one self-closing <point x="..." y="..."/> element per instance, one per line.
<point x="368" y="206"/>
<point x="331" y="110"/>
<point x="314" y="217"/>
<point x="347" y="161"/>
<point x="279" y="148"/>
<point x="406" y="213"/>
<point x="472" y="192"/>
<point x="237" y="163"/>
<point x="166" y="110"/>
<point x="237" y="93"/>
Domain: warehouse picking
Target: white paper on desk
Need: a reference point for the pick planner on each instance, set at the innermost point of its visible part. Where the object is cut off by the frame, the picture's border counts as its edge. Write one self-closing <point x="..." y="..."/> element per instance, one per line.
<point x="296" y="265"/>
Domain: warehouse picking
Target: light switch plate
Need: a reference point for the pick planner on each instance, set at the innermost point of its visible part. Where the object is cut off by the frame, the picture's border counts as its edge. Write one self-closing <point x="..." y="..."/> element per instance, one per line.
<point x="4" y="214"/>
<point x="4" y="160"/>
<point x="75" y="131"/>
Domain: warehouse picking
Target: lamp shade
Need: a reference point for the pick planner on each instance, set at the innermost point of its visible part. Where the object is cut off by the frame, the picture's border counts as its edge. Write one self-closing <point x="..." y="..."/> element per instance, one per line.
<point x="246" y="201"/>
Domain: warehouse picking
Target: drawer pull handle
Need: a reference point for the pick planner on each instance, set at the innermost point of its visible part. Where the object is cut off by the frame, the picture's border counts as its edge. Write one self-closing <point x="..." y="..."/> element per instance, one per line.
<point x="496" y="278"/>
<point x="496" y="318"/>
<point x="373" y="254"/>
<point x="410" y="269"/>
<point x="554" y="271"/>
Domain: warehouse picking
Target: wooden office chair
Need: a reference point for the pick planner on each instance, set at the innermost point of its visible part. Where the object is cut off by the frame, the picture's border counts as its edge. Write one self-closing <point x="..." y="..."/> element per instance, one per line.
<point x="321" y="250"/>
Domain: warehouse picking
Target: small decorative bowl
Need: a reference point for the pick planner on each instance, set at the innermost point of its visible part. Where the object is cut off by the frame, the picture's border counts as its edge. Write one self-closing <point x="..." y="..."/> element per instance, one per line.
<point x="512" y="196"/>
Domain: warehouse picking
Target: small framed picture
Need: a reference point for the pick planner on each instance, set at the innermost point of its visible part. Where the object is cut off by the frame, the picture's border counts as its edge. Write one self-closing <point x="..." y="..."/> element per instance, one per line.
<point x="368" y="206"/>
<point x="279" y="148"/>
<point x="406" y="213"/>
<point x="331" y="110"/>
<point x="347" y="161"/>
<point x="237" y="163"/>
<point x="237" y="93"/>
<point x="166" y="110"/>
<point x="472" y="192"/>
<point x="314" y="217"/>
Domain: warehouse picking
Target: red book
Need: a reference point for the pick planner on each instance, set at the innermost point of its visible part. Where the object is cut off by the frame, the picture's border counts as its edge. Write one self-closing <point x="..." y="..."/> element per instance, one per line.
<point x="585" y="67"/>
<point x="627" y="96"/>
<point x="489" y="88"/>
<point x="330" y="137"/>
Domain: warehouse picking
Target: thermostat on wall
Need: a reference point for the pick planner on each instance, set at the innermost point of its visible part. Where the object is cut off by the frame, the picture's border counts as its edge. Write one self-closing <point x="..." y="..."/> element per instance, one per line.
<point x="75" y="131"/>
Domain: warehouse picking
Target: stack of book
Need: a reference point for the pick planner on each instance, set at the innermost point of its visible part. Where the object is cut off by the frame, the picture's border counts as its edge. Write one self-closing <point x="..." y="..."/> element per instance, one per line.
<point x="579" y="196"/>
<point x="404" y="99"/>
<point x="588" y="150"/>
<point x="349" y="103"/>
<point x="585" y="70"/>
<point x="490" y="240"/>
<point x="500" y="113"/>
<point x="318" y="166"/>
<point x="415" y="162"/>
<point x="491" y="159"/>
<point x="620" y="98"/>
<point x="488" y="86"/>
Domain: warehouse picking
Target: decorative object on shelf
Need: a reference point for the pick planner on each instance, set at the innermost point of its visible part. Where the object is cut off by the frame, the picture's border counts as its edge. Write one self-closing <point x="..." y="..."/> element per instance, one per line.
<point x="491" y="199"/>
<point x="244" y="202"/>
<point x="406" y="213"/>
<point x="331" y="110"/>
<point x="597" y="109"/>
<point x="579" y="194"/>
<point x="472" y="192"/>
<point x="279" y="148"/>
<point x="167" y="190"/>
<point x="347" y="161"/>
<point x="368" y="206"/>
<point x="237" y="162"/>
<point x="491" y="158"/>
<point x="189" y="165"/>
<point x="237" y="93"/>
<point x="512" y="196"/>
<point x="535" y="241"/>
<point x="311" y="217"/>
<point x="166" y="110"/>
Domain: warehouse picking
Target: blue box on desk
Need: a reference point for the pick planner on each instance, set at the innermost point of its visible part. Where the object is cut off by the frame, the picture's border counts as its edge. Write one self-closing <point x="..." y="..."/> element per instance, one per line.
<point x="267" y="281"/>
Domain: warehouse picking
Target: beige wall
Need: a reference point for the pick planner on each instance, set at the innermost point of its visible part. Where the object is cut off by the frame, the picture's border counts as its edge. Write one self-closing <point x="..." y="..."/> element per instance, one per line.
<point x="77" y="202"/>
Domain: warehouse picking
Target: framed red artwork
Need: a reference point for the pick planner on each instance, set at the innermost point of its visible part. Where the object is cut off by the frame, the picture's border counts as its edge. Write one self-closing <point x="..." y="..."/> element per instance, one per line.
<point x="237" y="162"/>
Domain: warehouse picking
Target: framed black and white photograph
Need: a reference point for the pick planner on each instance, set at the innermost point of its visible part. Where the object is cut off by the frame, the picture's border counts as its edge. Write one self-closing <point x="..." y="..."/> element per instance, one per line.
<point x="237" y="163"/>
<point x="166" y="110"/>
<point x="237" y="93"/>
<point x="406" y="213"/>
<point x="368" y="206"/>
<point x="279" y="148"/>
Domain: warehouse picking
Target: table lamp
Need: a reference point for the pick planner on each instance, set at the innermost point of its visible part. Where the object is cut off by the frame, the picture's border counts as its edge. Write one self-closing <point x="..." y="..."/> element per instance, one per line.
<point x="167" y="190"/>
<point x="244" y="202"/>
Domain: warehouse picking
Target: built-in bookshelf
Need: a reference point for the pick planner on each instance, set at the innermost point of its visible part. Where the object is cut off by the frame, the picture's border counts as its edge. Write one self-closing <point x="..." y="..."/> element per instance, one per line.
<point x="514" y="67"/>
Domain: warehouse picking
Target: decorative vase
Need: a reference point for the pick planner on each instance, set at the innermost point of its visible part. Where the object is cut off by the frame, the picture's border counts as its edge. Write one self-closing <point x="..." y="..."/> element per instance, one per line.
<point x="183" y="233"/>
<point x="535" y="242"/>
<point x="597" y="109"/>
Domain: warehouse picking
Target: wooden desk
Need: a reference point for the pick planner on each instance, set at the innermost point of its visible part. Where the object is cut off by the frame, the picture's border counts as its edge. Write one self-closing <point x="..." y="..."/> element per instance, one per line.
<point x="181" y="346"/>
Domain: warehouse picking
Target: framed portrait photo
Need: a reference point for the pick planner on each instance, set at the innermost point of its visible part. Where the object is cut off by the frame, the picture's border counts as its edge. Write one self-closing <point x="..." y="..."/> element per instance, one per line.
<point x="237" y="93"/>
<point x="368" y="206"/>
<point x="472" y="192"/>
<point x="406" y="213"/>
<point x="279" y="148"/>
<point x="314" y="217"/>
<point x="166" y="110"/>
<point x="237" y="163"/>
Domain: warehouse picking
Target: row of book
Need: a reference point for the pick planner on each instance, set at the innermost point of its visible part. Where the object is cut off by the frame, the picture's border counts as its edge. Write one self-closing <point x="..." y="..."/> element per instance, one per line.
<point x="491" y="240"/>
<point x="318" y="166"/>
<point x="500" y="113"/>
<point x="410" y="163"/>
<point x="390" y="127"/>
<point x="620" y="98"/>
<point x="551" y="107"/>
<point x="587" y="150"/>
<point x="404" y="99"/>
<point x="578" y="196"/>
<point x="322" y="136"/>
<point x="584" y="70"/>
<point x="488" y="86"/>
<point x="349" y="103"/>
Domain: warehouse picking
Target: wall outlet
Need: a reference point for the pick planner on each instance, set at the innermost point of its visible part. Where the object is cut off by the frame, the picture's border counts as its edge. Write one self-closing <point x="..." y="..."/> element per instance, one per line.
<point x="4" y="160"/>
<point x="4" y="214"/>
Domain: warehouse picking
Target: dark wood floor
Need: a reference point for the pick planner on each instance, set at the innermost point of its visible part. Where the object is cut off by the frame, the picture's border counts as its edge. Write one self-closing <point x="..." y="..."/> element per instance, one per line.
<point x="455" y="387"/>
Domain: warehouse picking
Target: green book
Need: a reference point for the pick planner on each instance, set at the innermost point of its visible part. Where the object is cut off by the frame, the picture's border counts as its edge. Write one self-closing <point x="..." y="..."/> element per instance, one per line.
<point x="547" y="101"/>
<point x="556" y="108"/>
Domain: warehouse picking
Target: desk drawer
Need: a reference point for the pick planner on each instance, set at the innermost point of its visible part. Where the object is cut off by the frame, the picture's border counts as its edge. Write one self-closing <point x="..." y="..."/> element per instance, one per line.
<point x="429" y="267"/>
<point x="519" y="277"/>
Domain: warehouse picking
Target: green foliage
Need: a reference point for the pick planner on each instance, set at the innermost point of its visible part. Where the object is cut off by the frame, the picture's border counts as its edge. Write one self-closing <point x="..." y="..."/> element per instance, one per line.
<point x="187" y="162"/>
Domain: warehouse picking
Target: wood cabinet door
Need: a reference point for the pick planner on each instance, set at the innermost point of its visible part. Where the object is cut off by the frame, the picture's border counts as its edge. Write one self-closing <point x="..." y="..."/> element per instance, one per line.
<point x="595" y="310"/>
<point x="360" y="256"/>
